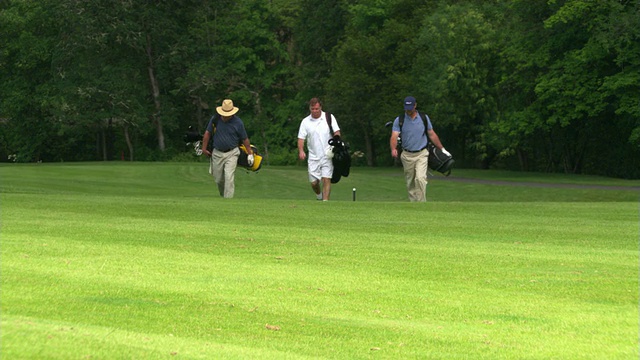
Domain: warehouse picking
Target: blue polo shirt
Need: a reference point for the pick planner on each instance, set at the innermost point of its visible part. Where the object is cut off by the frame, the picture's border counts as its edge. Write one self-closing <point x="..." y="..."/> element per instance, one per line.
<point x="229" y="134"/>
<point x="413" y="133"/>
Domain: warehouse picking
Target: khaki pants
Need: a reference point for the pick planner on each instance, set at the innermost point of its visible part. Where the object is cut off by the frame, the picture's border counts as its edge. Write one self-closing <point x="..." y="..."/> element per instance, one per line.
<point x="223" y="169"/>
<point x="415" y="174"/>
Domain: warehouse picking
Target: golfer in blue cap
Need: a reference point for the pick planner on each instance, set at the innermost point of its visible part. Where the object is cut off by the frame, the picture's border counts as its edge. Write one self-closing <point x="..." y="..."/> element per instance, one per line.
<point x="416" y="131"/>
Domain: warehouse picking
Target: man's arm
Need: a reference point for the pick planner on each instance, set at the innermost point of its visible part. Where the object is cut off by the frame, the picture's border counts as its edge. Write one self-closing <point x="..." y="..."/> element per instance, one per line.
<point x="205" y="143"/>
<point x="393" y="143"/>
<point x="301" y="153"/>
<point x="247" y="145"/>
<point x="434" y="139"/>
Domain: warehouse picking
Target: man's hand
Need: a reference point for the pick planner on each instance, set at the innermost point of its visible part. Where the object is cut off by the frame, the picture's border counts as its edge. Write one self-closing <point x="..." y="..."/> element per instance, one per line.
<point x="444" y="151"/>
<point x="250" y="159"/>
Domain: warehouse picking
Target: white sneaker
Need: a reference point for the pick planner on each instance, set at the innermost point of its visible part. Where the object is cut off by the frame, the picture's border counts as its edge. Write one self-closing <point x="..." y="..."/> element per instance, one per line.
<point x="319" y="196"/>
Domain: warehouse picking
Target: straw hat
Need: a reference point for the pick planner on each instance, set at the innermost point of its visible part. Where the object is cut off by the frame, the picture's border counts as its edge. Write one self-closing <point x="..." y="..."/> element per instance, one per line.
<point x="227" y="108"/>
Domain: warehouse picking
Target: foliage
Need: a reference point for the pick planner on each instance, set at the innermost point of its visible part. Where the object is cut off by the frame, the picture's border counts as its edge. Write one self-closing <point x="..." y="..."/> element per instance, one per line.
<point x="564" y="65"/>
<point x="534" y="85"/>
<point x="458" y="45"/>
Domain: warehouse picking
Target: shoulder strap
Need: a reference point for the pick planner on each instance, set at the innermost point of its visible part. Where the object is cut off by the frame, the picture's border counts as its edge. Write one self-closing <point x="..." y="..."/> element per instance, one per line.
<point x="328" y="115"/>
<point x="424" y="122"/>
<point x="214" y="120"/>
<point x="421" y="115"/>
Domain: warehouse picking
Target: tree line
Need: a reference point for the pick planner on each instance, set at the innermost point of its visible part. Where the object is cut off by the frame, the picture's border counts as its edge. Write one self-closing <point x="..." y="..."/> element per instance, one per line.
<point x="531" y="85"/>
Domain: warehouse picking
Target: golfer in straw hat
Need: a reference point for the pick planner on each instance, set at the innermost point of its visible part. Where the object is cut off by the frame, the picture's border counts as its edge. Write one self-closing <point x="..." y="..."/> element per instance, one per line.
<point x="228" y="132"/>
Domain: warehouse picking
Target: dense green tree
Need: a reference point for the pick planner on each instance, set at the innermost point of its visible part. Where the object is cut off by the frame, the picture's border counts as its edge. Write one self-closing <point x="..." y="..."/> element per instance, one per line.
<point x="247" y="59"/>
<point x="370" y="76"/>
<point x="561" y="88"/>
<point x="99" y="74"/>
<point x="318" y="28"/>
<point x="456" y="77"/>
<point x="30" y="31"/>
<point x="517" y="84"/>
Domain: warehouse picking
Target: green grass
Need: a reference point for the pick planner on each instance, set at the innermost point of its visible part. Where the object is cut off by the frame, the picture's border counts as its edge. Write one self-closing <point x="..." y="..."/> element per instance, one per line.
<point x="146" y="261"/>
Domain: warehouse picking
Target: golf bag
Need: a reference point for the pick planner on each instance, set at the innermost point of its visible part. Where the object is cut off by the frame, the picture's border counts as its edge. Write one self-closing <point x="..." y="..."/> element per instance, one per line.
<point x="341" y="157"/>
<point x="242" y="159"/>
<point x="438" y="161"/>
<point x="193" y="137"/>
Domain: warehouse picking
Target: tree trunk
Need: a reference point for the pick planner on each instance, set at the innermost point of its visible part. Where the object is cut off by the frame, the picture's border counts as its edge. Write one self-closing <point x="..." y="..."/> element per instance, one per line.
<point x="103" y="144"/>
<point x="523" y="159"/>
<point x="97" y="145"/>
<point x="370" y="151"/>
<point x="155" y="91"/>
<point x="127" y="138"/>
<point x="258" y="111"/>
<point x="265" y="142"/>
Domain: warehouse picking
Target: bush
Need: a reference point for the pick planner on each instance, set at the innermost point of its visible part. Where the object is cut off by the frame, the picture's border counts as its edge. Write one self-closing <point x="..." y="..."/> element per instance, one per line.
<point x="281" y="157"/>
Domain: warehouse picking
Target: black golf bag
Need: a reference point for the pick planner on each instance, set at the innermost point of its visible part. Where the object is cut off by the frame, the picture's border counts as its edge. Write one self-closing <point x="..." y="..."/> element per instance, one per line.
<point x="439" y="161"/>
<point x="341" y="156"/>
<point x="192" y="135"/>
<point x="341" y="159"/>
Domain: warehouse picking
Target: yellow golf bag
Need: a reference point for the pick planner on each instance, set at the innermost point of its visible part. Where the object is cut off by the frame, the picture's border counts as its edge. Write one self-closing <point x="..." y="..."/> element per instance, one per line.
<point x="242" y="159"/>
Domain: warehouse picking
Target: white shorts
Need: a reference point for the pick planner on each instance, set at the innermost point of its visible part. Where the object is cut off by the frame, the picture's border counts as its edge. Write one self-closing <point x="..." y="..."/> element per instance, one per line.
<point x="322" y="168"/>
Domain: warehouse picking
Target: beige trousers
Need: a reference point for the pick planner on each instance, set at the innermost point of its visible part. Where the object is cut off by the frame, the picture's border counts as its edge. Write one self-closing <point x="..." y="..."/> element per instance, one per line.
<point x="415" y="174"/>
<point x="223" y="169"/>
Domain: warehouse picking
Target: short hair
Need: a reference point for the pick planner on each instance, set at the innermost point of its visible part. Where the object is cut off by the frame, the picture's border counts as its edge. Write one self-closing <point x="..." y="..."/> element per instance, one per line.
<point x="314" y="101"/>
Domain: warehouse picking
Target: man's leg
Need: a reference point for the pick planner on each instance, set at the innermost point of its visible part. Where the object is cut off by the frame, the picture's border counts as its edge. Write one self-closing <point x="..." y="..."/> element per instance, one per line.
<point x="314" y="178"/>
<point x="217" y="170"/>
<point x="326" y="171"/>
<point x="230" y="165"/>
<point x="421" y="175"/>
<point x="415" y="174"/>
<point x="315" y="186"/>
<point x="326" y="188"/>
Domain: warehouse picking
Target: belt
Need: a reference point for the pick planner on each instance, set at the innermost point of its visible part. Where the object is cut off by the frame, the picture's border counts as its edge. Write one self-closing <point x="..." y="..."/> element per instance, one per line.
<point x="415" y="151"/>
<point x="224" y="151"/>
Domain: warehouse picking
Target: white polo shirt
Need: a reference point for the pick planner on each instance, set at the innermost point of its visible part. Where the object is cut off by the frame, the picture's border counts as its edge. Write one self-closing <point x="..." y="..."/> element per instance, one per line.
<point x="317" y="134"/>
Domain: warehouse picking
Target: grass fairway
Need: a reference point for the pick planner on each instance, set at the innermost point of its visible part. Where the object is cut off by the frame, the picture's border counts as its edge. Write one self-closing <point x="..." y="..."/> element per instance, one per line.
<point x="146" y="261"/>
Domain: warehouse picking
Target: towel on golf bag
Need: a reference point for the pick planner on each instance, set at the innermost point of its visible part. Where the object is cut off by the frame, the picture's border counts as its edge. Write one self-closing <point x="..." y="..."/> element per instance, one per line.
<point x="439" y="161"/>
<point x="341" y="159"/>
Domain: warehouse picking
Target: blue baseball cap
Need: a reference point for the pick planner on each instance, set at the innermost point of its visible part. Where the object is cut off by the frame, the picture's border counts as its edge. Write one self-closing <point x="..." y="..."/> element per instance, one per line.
<point x="409" y="103"/>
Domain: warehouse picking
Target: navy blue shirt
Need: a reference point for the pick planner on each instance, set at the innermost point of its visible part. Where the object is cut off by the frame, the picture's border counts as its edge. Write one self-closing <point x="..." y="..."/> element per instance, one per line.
<point x="229" y="134"/>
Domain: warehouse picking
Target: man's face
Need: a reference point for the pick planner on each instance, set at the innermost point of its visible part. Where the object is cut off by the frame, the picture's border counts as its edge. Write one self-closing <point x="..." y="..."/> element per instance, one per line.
<point x="316" y="111"/>
<point x="225" y="118"/>
<point x="411" y="112"/>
